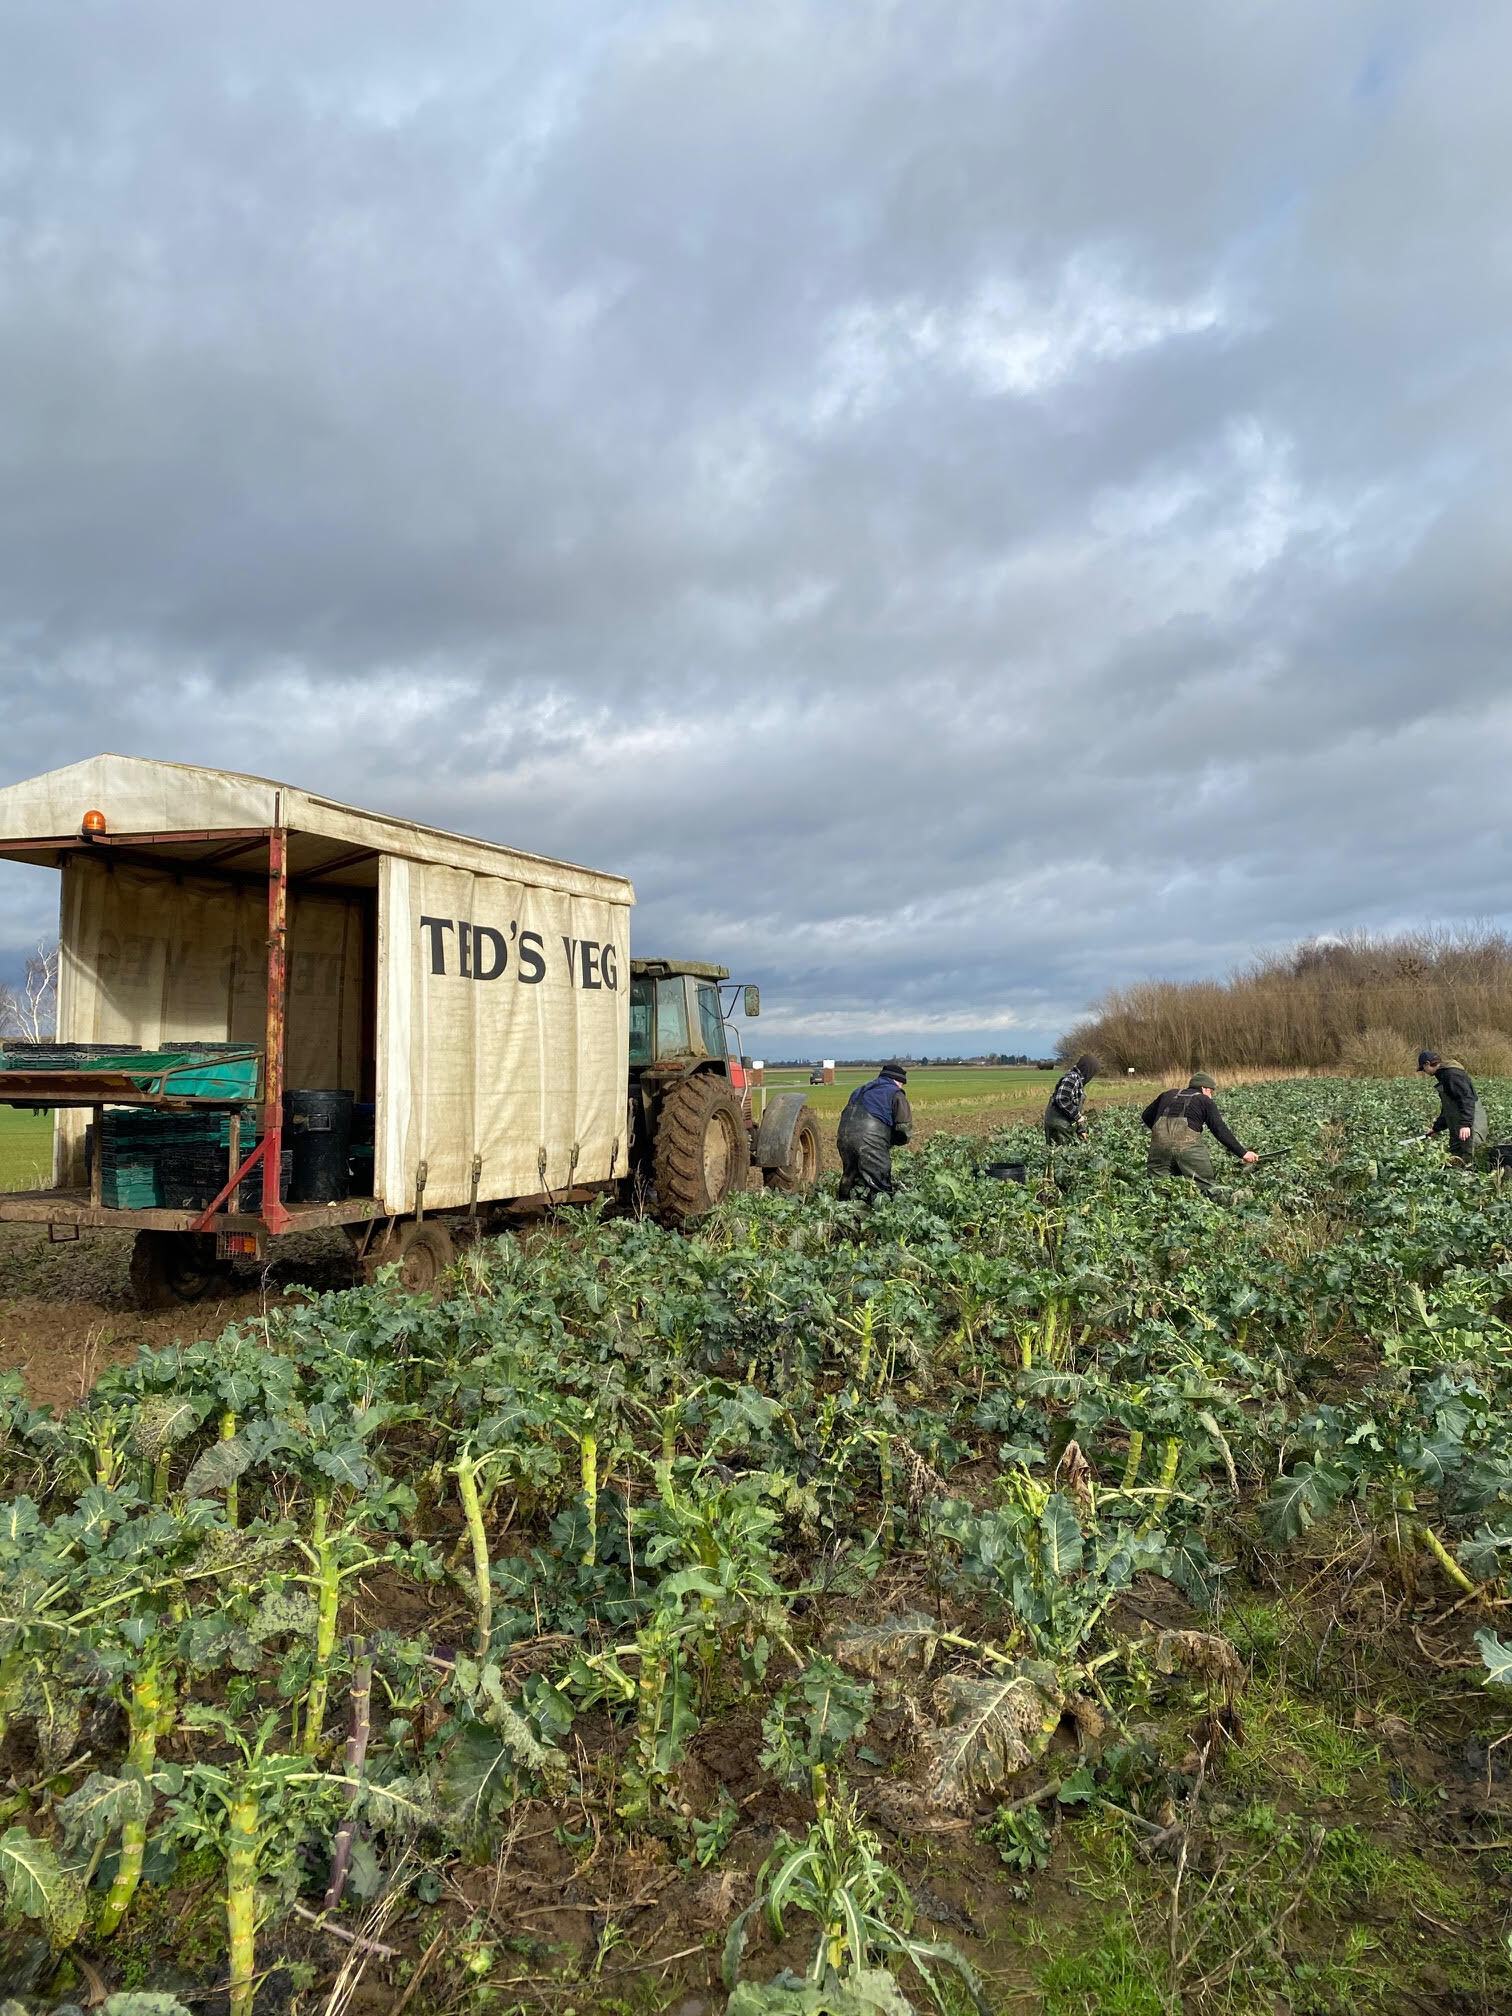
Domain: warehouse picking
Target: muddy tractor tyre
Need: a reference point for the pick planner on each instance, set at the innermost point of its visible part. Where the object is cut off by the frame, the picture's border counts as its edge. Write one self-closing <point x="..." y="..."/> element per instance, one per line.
<point x="169" y="1268"/>
<point x="423" y="1250"/>
<point x="801" y="1170"/>
<point x="702" y="1152"/>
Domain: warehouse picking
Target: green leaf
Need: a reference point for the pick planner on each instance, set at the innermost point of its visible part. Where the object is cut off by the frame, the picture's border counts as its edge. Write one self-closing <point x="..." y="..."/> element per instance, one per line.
<point x="1061" y="1537"/>
<point x="1077" y="1788"/>
<point x="282" y="1613"/>
<point x="30" y="1871"/>
<point x="347" y="1464"/>
<point x="1497" y="1658"/>
<point x="144" y="2002"/>
<point x="1307" y="1493"/>
<point x="218" y="1468"/>
<point x="102" y="1804"/>
<point x="160" y="1422"/>
<point x="869" y="1991"/>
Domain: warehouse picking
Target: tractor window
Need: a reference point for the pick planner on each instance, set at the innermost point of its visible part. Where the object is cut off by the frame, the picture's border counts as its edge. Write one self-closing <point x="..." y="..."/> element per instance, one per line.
<point x="640" y="1021"/>
<point x="671" y="1017"/>
<point x="711" y="1021"/>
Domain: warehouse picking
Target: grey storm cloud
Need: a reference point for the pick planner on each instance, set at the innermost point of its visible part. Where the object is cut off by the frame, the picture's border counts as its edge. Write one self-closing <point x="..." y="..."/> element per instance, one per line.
<point x="967" y="505"/>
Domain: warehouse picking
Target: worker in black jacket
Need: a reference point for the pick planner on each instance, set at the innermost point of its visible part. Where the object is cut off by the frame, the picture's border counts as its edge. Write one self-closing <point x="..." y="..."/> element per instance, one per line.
<point x="1176" y="1121"/>
<point x="1461" y="1115"/>
<point x="877" y="1119"/>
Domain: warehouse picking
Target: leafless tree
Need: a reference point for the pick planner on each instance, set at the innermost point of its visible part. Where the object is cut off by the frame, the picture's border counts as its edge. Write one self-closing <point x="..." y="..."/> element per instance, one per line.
<point x="30" y="1011"/>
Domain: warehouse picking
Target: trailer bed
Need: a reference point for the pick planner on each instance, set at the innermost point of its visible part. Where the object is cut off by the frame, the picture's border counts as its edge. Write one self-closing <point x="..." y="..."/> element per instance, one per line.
<point x="73" y="1207"/>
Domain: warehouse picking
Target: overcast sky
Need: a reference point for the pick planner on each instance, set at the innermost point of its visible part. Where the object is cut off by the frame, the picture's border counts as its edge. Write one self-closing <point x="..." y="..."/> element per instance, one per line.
<point x="966" y="503"/>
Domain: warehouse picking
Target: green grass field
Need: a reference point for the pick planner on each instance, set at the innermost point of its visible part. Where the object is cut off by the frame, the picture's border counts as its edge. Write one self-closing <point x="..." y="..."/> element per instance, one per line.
<point x="25" y="1149"/>
<point x="956" y="1088"/>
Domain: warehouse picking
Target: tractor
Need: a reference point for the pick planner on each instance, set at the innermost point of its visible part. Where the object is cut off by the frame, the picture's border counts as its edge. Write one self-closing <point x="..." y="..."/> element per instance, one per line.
<point x="694" y="1137"/>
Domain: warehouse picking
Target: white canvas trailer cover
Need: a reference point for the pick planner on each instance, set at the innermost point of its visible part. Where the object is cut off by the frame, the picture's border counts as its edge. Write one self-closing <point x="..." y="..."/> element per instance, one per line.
<point x="482" y="992"/>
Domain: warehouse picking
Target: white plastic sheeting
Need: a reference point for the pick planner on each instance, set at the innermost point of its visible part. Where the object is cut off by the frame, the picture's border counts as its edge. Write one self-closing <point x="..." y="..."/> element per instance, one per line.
<point x="138" y="795"/>
<point x="503" y="1034"/>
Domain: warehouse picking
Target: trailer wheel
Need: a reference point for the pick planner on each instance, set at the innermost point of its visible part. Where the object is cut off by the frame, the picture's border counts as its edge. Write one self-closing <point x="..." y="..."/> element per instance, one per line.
<point x="172" y="1267"/>
<point x="801" y="1169"/>
<point x="702" y="1150"/>
<point x="423" y="1250"/>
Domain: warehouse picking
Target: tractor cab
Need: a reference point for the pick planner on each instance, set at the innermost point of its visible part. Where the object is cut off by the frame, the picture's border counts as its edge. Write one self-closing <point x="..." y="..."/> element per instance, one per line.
<point x="682" y="1020"/>
<point x="694" y="1138"/>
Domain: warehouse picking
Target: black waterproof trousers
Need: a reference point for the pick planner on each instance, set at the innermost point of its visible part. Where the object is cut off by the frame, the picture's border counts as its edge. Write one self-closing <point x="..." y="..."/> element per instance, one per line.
<point x="865" y="1145"/>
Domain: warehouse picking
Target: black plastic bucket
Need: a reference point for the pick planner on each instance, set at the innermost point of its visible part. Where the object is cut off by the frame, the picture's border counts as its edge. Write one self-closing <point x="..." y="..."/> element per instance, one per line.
<point x="318" y="1128"/>
<point x="1501" y="1155"/>
<point x="1006" y="1172"/>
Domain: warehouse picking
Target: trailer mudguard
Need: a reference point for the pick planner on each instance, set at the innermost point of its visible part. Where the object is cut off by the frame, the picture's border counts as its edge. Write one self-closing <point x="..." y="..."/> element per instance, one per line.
<point x="779" y="1123"/>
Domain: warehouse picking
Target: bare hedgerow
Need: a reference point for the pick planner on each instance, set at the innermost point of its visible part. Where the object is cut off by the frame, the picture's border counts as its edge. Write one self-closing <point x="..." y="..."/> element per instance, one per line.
<point x="1306" y="1008"/>
<point x="1378" y="1053"/>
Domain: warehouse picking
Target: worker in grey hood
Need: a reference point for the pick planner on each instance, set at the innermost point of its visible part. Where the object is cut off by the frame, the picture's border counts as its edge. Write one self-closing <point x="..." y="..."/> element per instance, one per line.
<point x="1461" y="1116"/>
<point x="877" y="1119"/>
<point x="1065" y="1116"/>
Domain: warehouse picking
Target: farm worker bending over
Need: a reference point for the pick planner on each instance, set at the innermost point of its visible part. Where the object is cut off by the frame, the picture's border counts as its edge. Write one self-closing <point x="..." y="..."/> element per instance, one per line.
<point x="1176" y="1121"/>
<point x="875" y="1121"/>
<point x="1461" y="1114"/>
<point x="1063" y="1116"/>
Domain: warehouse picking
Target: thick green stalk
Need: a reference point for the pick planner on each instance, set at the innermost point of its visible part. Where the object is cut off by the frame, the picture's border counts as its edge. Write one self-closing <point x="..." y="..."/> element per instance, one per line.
<point x="160" y="1473"/>
<point x="241" y="1900"/>
<point x="142" y="1715"/>
<point x="868" y="1325"/>
<point x="1165" y="1484"/>
<point x="472" y="1511"/>
<point x="1136" y="1456"/>
<point x="1445" y="1559"/>
<point x="327" y="1606"/>
<point x="233" y="1500"/>
<point x="588" y="1452"/>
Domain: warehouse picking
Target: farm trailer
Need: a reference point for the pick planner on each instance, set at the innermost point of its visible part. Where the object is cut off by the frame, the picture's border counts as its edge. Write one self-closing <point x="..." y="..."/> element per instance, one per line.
<point x="477" y="996"/>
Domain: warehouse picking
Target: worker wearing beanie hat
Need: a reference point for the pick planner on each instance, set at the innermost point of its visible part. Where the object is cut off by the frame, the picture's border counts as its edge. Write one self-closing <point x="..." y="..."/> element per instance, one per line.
<point x="1176" y="1121"/>
<point x="1462" y="1117"/>
<point x="877" y="1119"/>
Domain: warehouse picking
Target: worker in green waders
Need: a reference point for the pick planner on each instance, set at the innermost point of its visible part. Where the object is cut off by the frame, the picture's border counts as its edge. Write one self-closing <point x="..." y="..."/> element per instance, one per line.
<point x="1065" y="1114"/>
<point x="1461" y="1117"/>
<point x="1176" y="1121"/>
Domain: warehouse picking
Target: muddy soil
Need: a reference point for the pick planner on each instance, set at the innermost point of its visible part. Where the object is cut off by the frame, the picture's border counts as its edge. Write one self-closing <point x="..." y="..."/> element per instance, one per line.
<point x="67" y="1311"/>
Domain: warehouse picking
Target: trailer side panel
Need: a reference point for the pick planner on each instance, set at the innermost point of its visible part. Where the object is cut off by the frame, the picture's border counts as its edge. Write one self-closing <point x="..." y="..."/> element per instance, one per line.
<point x="503" y="1037"/>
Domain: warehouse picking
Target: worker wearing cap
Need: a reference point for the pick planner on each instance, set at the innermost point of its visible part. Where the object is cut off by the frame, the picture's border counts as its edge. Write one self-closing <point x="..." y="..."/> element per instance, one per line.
<point x="1461" y="1115"/>
<point x="1176" y="1121"/>
<point x="1065" y="1119"/>
<point x="876" y="1120"/>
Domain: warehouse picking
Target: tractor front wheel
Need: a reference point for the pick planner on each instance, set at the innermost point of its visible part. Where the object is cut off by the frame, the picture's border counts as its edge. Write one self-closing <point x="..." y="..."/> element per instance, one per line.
<point x="801" y="1170"/>
<point x="702" y="1152"/>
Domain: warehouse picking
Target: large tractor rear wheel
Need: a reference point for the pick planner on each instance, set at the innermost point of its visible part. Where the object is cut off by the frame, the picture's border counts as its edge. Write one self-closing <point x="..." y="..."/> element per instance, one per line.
<point x="702" y="1151"/>
<point x="801" y="1169"/>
